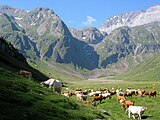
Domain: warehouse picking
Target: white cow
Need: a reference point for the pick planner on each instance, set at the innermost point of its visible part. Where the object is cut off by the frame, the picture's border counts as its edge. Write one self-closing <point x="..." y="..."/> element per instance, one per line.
<point x="106" y="95"/>
<point x="81" y="97"/>
<point x="55" y="84"/>
<point x="139" y="110"/>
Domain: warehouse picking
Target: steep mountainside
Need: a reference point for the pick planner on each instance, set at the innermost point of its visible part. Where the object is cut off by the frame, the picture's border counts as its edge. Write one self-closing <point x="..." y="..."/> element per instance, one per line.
<point x="41" y="34"/>
<point x="132" y="19"/>
<point x="137" y="42"/>
<point x="149" y="69"/>
<point x="90" y="35"/>
<point x="12" y="60"/>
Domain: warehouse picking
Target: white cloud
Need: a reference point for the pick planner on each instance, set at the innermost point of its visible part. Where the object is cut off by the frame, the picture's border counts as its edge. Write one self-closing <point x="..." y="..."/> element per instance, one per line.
<point x="89" y="21"/>
<point x="70" y="21"/>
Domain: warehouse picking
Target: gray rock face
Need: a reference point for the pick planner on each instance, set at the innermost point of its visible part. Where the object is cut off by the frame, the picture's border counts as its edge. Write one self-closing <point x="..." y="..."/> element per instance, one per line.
<point x="132" y="19"/>
<point x="137" y="42"/>
<point x="12" y="11"/>
<point x="90" y="35"/>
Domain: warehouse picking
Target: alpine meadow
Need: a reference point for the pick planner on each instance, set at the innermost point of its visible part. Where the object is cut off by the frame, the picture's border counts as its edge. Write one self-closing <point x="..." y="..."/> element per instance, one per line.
<point x="50" y="71"/>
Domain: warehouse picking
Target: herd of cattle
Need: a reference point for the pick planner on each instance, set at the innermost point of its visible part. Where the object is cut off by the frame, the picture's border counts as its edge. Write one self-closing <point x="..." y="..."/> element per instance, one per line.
<point x="94" y="96"/>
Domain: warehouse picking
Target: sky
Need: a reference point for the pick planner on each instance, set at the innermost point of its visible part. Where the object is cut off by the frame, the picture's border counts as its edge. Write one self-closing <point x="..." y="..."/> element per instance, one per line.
<point x="81" y="13"/>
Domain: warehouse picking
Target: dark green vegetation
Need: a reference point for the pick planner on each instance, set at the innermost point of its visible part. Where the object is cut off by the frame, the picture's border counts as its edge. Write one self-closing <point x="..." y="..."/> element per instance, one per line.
<point x="21" y="99"/>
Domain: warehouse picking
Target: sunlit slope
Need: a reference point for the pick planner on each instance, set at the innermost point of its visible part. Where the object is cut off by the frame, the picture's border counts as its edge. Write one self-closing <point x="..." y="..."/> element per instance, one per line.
<point x="147" y="70"/>
<point x="24" y="99"/>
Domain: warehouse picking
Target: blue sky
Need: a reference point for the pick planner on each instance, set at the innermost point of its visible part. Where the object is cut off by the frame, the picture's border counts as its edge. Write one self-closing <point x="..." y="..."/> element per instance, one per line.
<point x="80" y="13"/>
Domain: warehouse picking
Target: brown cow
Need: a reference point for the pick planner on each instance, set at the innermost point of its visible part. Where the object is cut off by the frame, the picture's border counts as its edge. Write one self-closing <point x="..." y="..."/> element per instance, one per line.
<point x="140" y="92"/>
<point x="153" y="93"/>
<point x="120" y="97"/>
<point x="126" y="104"/>
<point x="98" y="98"/>
<point x="129" y="103"/>
<point x="25" y="73"/>
<point x="128" y="94"/>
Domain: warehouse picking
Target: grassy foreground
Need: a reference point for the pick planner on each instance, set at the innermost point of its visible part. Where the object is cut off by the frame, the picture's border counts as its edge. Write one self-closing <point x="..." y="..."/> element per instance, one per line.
<point x="22" y="99"/>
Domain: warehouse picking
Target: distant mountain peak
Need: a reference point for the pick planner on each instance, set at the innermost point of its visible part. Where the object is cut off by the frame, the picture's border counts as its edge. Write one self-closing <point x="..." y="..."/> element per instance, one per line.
<point x="90" y="35"/>
<point x="132" y="19"/>
<point x="12" y="11"/>
<point x="155" y="7"/>
<point x="44" y="10"/>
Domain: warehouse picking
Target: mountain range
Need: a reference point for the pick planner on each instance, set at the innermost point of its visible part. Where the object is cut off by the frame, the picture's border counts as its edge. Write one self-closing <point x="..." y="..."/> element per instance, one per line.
<point x="123" y="41"/>
<point x="132" y="19"/>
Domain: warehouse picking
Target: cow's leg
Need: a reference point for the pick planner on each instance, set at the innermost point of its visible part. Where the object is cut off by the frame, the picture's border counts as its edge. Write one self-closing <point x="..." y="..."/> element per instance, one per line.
<point x="133" y="117"/>
<point x="139" y="116"/>
<point x="129" y="113"/>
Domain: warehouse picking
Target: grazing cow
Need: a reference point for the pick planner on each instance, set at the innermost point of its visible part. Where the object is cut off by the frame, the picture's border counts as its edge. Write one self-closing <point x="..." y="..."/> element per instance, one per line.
<point x="77" y="92"/>
<point x="119" y="92"/>
<point x="132" y="91"/>
<point x="139" y="110"/>
<point x="129" y="103"/>
<point x="97" y="93"/>
<point x="120" y="97"/>
<point x="81" y="97"/>
<point x="55" y="84"/>
<point x="25" y="73"/>
<point x="126" y="104"/>
<point x="98" y="98"/>
<point x="140" y="92"/>
<point x="106" y="95"/>
<point x="67" y="94"/>
<point x="127" y="94"/>
<point x="122" y="103"/>
<point x="151" y="93"/>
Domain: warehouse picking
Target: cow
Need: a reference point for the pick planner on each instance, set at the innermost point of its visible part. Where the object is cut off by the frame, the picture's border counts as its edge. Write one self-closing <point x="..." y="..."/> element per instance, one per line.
<point x="139" y="110"/>
<point x="25" y="73"/>
<point x="81" y="97"/>
<point x="120" y="97"/>
<point x="67" y="94"/>
<point x="153" y="93"/>
<point x="98" y="98"/>
<point x="140" y="92"/>
<point x="55" y="84"/>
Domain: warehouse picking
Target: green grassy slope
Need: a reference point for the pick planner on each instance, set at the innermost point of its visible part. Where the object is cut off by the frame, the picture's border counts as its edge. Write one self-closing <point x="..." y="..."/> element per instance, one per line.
<point x="21" y="99"/>
<point x="62" y="72"/>
<point x="147" y="70"/>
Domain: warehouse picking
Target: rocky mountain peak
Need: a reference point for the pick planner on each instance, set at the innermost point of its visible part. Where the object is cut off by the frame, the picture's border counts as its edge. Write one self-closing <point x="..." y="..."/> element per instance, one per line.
<point x="90" y="35"/>
<point x="12" y="11"/>
<point x="132" y="19"/>
<point x="43" y="12"/>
